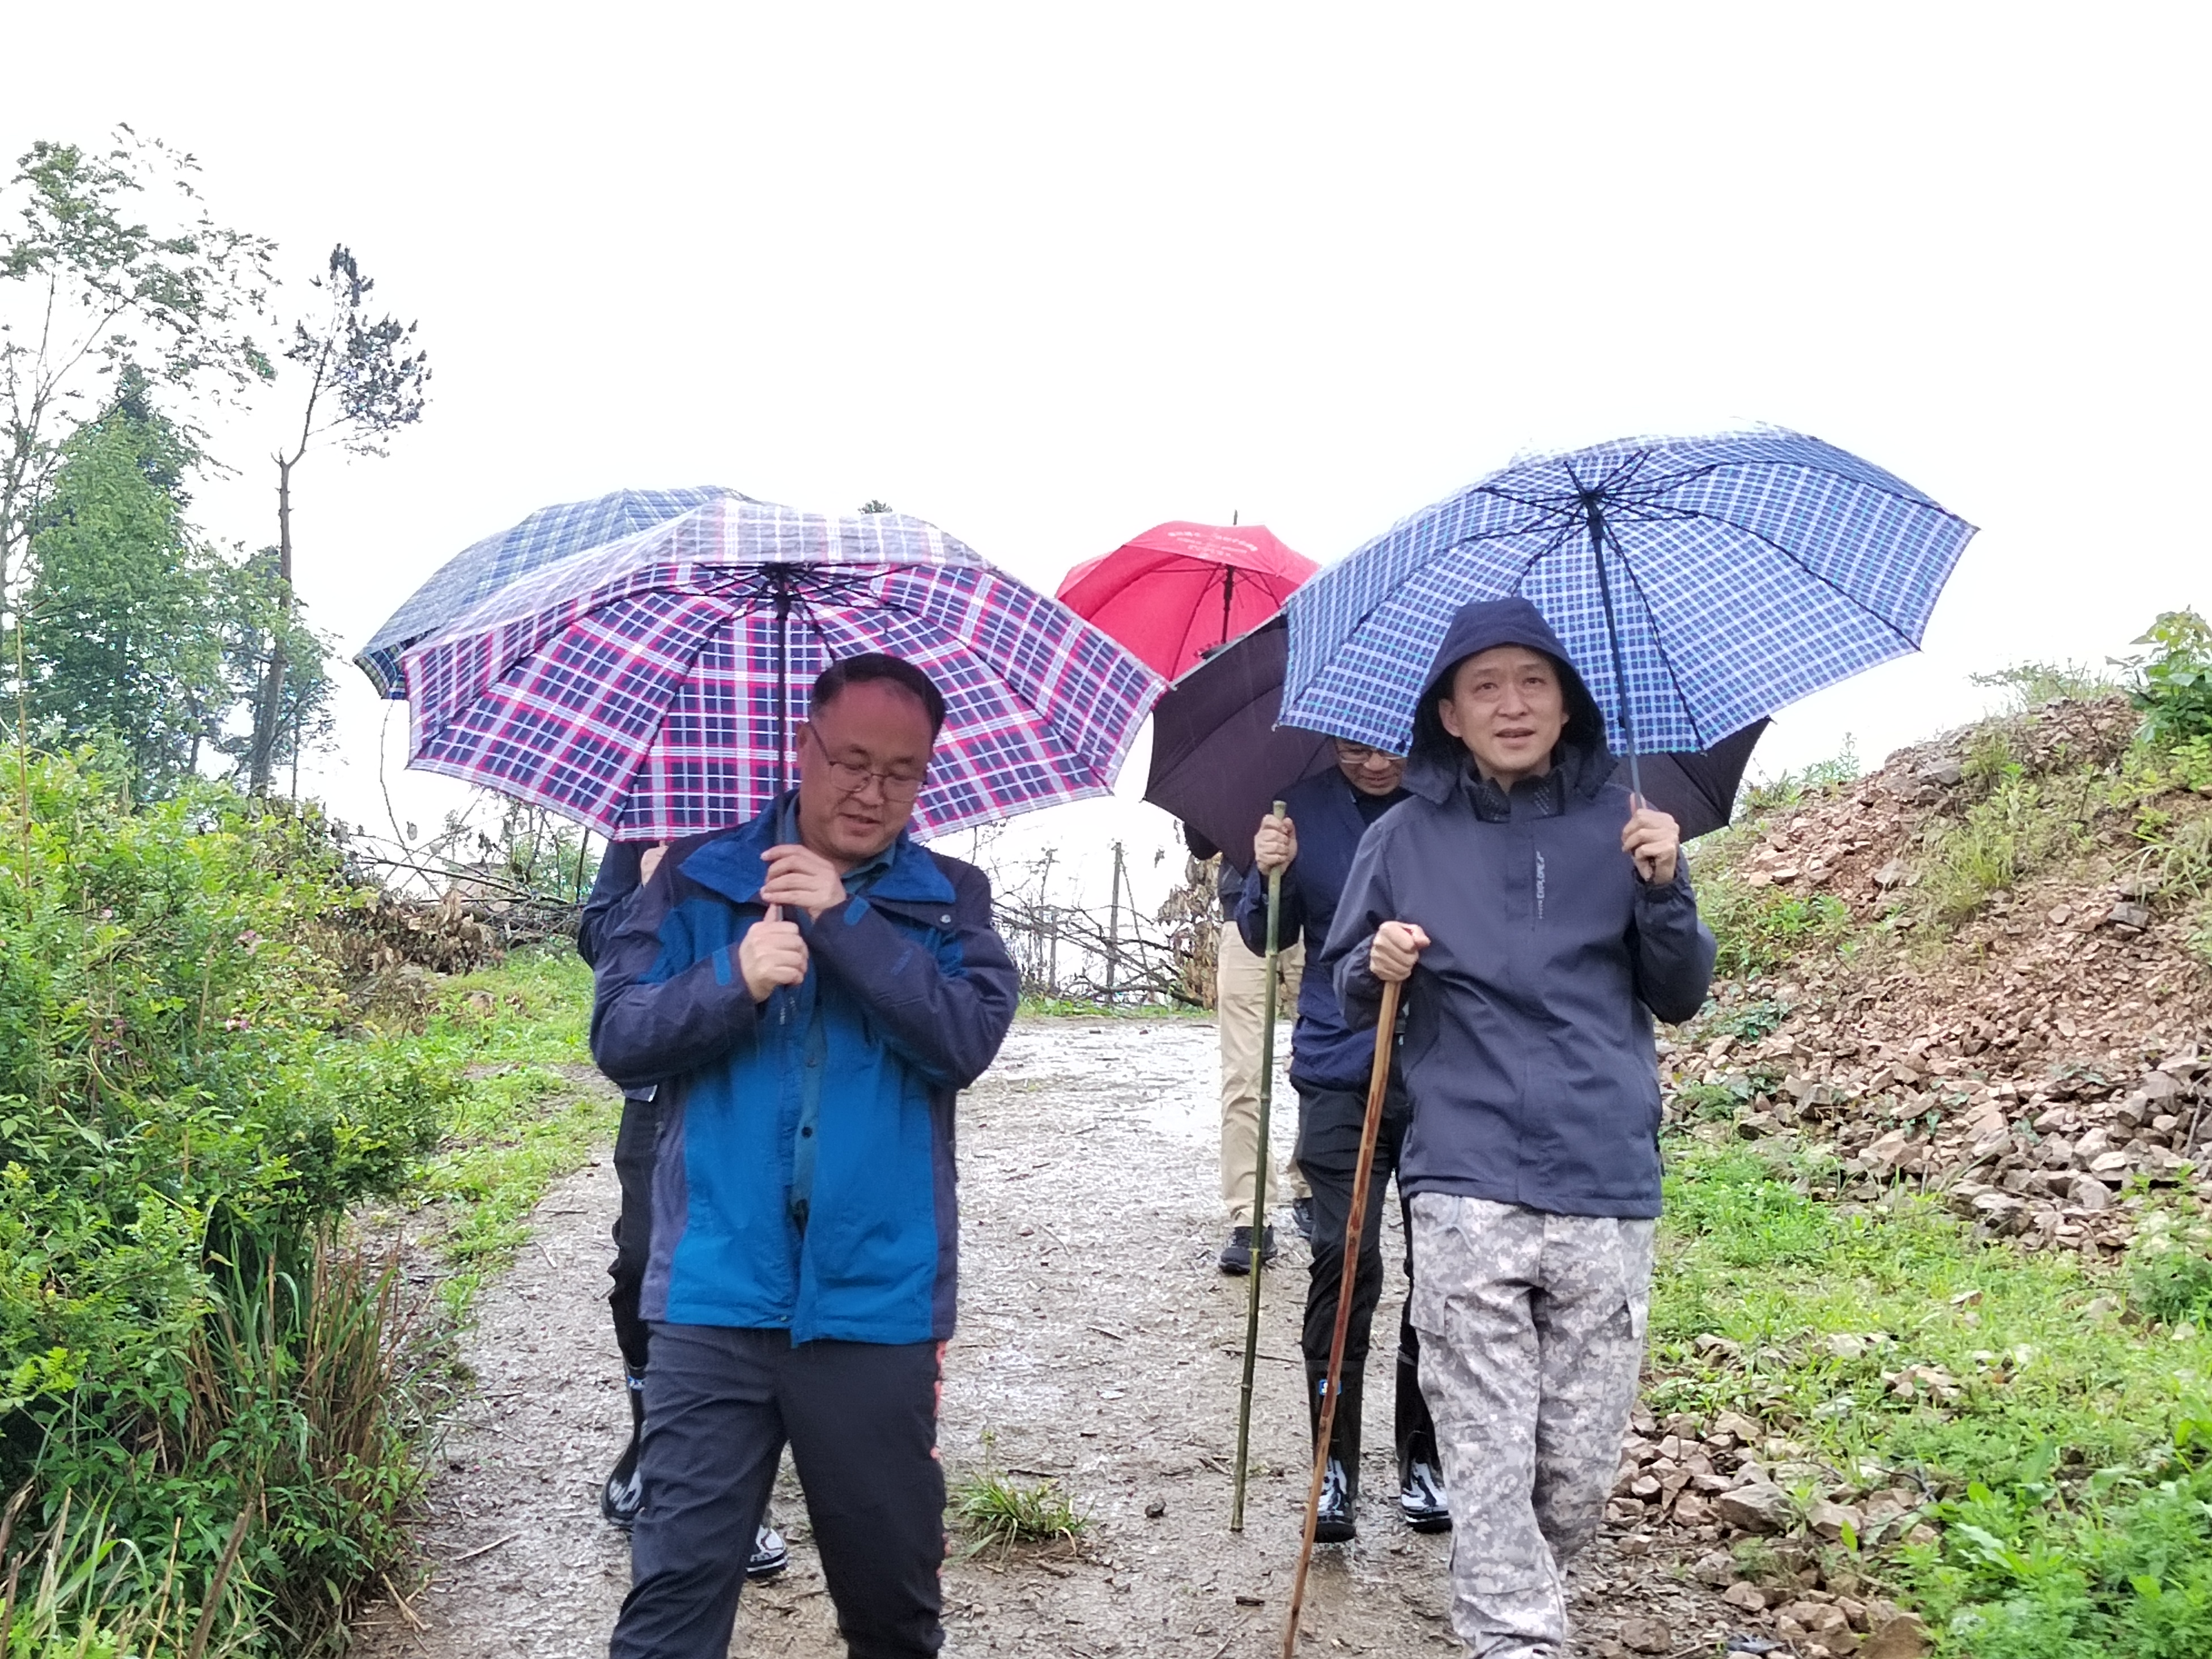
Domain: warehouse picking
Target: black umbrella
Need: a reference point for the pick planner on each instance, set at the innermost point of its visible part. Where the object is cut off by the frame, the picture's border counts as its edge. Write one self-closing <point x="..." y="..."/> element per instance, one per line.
<point x="1220" y="761"/>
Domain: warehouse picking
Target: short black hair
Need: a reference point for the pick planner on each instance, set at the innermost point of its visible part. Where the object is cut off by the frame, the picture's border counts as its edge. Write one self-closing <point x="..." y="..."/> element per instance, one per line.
<point x="879" y="665"/>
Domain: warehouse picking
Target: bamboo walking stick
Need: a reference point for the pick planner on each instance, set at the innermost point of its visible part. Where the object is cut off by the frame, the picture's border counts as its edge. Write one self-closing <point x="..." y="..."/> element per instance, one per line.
<point x="1378" y="1083"/>
<point x="1259" y="1196"/>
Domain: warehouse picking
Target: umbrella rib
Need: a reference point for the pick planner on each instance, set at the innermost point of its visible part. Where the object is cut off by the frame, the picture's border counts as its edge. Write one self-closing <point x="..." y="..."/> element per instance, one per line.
<point x="1666" y="658"/>
<point x="1911" y="644"/>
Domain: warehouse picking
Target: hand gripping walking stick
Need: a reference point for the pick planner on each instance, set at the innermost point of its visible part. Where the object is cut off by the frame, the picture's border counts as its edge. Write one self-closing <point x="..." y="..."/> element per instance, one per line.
<point x="1259" y="1197"/>
<point x="1378" y="1083"/>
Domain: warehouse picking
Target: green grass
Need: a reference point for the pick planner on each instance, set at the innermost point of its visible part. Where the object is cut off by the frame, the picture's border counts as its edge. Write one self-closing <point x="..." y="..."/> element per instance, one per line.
<point x="1760" y="928"/>
<point x="2065" y="1428"/>
<point x="998" y="1510"/>
<point x="519" y="1124"/>
<point x="1077" y="1008"/>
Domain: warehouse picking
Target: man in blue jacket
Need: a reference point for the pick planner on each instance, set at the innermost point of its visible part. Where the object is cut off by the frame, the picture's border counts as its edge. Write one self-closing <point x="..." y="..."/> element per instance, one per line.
<point x="1312" y="844"/>
<point x="810" y="992"/>
<point x="1538" y="917"/>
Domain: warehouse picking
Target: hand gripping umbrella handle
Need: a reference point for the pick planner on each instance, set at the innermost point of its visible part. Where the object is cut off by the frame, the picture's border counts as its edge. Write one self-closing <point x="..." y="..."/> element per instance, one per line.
<point x="1259" y="1197"/>
<point x="1378" y="1084"/>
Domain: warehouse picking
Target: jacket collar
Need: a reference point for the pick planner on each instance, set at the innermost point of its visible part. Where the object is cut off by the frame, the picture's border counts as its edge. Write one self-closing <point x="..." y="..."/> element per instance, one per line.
<point x="732" y="863"/>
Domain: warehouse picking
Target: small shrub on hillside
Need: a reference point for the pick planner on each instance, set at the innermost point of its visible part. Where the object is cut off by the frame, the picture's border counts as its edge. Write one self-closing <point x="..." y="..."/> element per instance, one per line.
<point x="2174" y="682"/>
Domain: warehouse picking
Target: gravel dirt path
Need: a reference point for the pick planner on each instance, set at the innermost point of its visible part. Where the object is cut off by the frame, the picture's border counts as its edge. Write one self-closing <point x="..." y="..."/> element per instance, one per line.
<point x="1098" y="1346"/>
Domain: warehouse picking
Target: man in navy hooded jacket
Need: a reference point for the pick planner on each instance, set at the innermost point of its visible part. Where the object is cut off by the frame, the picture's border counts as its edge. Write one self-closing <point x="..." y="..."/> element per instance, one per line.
<point x="1313" y="844"/>
<point x="808" y="992"/>
<point x="1538" y="918"/>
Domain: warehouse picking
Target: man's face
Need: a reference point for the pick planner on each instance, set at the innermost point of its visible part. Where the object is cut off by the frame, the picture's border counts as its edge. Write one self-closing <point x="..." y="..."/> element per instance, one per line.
<point x="861" y="761"/>
<point x="1372" y="771"/>
<point x="1506" y="706"/>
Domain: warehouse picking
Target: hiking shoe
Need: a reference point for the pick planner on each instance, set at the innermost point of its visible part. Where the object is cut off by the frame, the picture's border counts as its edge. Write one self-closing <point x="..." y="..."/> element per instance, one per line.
<point x="1302" y="1217"/>
<point x="1236" y="1258"/>
<point x="771" y="1555"/>
<point x="1333" y="1521"/>
<point x="1421" y="1499"/>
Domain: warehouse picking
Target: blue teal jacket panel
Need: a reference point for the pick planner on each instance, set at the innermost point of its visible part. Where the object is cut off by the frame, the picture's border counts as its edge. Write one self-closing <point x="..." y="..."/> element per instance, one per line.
<point x="805" y="1175"/>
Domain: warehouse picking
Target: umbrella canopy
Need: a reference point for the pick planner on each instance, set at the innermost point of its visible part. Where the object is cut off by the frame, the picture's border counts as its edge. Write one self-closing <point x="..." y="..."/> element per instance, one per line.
<point x="472" y="575"/>
<point x="1699" y="583"/>
<point x="643" y="688"/>
<point x="1181" y="590"/>
<point x="1220" y="761"/>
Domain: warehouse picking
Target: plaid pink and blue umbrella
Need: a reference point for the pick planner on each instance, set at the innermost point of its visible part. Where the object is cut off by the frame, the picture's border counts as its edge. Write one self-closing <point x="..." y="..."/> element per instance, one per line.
<point x="644" y="688"/>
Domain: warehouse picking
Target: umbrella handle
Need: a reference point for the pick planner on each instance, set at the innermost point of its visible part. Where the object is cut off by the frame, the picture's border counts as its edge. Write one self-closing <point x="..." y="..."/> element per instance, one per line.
<point x="1378" y="1084"/>
<point x="1259" y="1196"/>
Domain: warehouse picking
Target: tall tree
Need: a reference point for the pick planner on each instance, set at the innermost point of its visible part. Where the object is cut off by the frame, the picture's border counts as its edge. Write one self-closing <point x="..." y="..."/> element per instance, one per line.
<point x="363" y="384"/>
<point x="87" y="287"/>
<point x="129" y="611"/>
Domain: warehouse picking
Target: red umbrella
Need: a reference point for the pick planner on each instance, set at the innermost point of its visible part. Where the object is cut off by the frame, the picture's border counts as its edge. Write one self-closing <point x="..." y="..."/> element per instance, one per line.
<point x="1179" y="590"/>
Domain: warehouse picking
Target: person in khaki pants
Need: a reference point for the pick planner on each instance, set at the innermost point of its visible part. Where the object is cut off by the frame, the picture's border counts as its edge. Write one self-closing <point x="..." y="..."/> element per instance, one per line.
<point x="1240" y="989"/>
<point x="1240" y="1000"/>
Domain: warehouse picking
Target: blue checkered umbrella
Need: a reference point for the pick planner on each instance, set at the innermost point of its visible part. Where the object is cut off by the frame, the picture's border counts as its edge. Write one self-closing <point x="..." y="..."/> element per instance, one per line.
<point x="483" y="568"/>
<point x="1699" y="583"/>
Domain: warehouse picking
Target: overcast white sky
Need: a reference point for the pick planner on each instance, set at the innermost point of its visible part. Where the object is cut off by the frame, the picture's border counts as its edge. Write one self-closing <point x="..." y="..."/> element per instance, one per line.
<point x="1048" y="275"/>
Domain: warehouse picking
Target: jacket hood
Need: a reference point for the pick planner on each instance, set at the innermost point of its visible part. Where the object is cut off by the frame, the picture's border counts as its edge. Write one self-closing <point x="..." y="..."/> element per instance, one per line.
<point x="1436" y="755"/>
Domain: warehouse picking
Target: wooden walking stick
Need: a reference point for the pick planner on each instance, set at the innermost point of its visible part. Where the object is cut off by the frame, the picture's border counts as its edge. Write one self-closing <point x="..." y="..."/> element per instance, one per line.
<point x="1259" y="1196"/>
<point x="1378" y="1083"/>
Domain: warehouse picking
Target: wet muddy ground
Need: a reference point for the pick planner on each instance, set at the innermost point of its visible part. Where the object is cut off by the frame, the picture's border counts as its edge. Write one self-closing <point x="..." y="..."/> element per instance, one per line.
<point x="1098" y="1346"/>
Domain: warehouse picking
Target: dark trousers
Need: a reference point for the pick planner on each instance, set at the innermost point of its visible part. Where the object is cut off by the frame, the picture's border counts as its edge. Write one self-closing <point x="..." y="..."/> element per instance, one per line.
<point x="634" y="1149"/>
<point x="861" y="1421"/>
<point x="1329" y="1125"/>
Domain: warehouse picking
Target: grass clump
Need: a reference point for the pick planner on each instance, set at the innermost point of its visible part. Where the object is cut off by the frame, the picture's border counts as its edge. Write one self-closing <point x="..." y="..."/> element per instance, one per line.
<point x="2020" y="825"/>
<point x="2030" y="685"/>
<point x="997" y="1509"/>
<point x="1760" y="929"/>
<point x="1757" y="797"/>
<point x="2061" y="1436"/>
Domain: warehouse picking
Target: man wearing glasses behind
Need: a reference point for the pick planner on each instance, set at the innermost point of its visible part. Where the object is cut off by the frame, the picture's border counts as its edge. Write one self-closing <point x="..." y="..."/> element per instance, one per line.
<point x="809" y="991"/>
<point x="1324" y="819"/>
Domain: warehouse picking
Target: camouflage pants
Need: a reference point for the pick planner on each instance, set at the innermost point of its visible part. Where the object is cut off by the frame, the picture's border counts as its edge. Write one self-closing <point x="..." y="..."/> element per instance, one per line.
<point x="1532" y="1335"/>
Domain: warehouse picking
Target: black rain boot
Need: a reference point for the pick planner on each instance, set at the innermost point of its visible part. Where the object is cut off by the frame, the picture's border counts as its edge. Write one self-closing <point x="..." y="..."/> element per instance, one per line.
<point x="1336" y="1520"/>
<point x="625" y="1493"/>
<point x="1421" y="1497"/>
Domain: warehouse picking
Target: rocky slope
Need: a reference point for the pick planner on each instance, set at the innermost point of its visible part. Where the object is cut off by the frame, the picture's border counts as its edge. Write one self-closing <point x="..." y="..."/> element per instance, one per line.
<point x="2035" y="1055"/>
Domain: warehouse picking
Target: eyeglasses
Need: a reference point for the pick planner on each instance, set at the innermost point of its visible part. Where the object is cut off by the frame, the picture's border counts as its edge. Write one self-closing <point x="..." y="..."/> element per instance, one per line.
<point x="1359" y="754"/>
<point x="851" y="780"/>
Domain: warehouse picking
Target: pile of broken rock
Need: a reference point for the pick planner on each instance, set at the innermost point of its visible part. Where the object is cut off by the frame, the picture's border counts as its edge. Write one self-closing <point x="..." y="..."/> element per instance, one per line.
<point x="1727" y="1477"/>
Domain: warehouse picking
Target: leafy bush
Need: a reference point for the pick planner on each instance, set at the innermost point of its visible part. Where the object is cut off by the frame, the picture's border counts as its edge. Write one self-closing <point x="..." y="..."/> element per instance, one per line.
<point x="185" y="1109"/>
<point x="2174" y="682"/>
